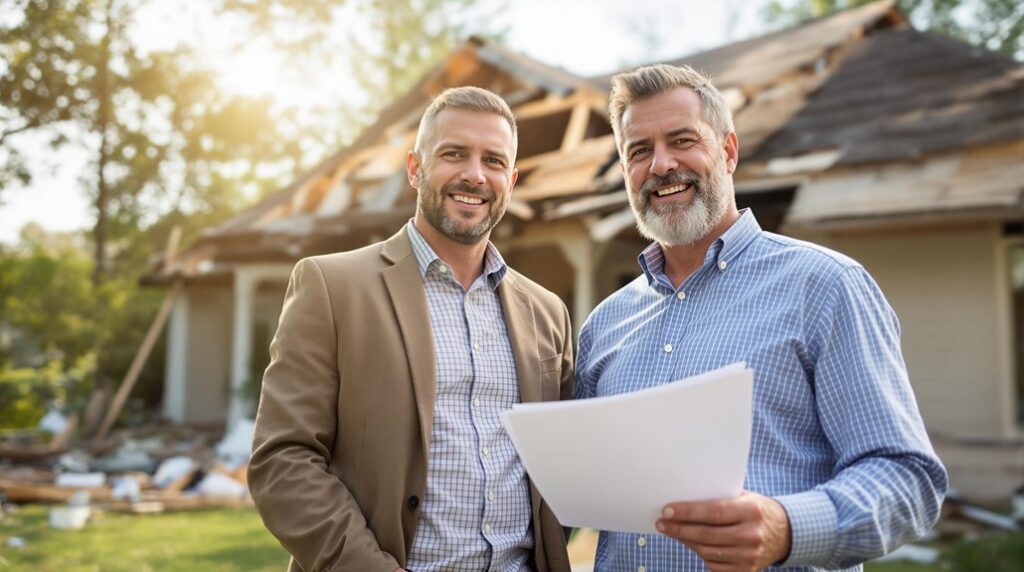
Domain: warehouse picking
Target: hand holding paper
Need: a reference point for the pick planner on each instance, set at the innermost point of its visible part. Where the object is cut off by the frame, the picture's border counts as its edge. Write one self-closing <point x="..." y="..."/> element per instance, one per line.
<point x="614" y="462"/>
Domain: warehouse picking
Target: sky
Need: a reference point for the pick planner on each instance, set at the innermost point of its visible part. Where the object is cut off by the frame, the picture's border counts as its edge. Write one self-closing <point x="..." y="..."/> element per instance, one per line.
<point x="606" y="35"/>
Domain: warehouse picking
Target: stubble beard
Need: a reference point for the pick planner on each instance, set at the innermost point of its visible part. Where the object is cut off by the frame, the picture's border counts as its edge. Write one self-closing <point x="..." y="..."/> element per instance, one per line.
<point x="678" y="223"/>
<point x="431" y="203"/>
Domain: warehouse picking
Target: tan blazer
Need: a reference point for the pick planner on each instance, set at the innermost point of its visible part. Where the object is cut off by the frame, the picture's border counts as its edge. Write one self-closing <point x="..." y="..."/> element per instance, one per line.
<point x="339" y="462"/>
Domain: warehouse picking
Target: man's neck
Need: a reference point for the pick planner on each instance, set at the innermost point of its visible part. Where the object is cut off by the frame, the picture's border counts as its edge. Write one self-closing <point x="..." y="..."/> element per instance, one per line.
<point x="465" y="260"/>
<point x="683" y="260"/>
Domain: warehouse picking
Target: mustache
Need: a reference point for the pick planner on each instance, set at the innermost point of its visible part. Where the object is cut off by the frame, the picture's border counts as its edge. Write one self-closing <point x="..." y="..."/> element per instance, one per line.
<point x="671" y="179"/>
<point x="467" y="189"/>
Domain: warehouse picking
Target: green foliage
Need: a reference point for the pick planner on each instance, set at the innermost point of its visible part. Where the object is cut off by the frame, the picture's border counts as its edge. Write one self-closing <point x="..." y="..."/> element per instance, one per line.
<point x="26" y="393"/>
<point x="995" y="24"/>
<point x="60" y="334"/>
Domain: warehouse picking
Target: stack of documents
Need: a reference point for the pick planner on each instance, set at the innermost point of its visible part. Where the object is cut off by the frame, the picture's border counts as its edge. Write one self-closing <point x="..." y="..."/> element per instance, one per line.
<point x="613" y="462"/>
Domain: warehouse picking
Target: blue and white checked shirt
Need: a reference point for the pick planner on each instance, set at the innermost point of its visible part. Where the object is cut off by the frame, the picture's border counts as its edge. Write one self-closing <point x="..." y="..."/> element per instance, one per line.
<point x="837" y="438"/>
<point x="476" y="514"/>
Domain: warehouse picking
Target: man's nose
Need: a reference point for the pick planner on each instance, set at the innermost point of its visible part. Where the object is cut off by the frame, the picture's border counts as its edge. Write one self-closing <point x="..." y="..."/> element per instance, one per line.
<point x="474" y="172"/>
<point x="662" y="161"/>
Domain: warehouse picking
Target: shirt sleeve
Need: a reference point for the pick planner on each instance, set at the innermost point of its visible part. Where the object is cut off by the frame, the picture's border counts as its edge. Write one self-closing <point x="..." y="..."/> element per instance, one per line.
<point x="888" y="484"/>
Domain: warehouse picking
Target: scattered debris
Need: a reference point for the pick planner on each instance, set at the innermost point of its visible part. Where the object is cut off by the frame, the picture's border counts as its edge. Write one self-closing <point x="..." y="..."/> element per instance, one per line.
<point x="53" y="422"/>
<point x="172" y="470"/>
<point x="74" y="515"/>
<point x="155" y="468"/>
<point x="81" y="480"/>
<point x="126" y="488"/>
<point x="69" y="517"/>
<point x="236" y="448"/>
<point x="220" y="485"/>
<point x="16" y="542"/>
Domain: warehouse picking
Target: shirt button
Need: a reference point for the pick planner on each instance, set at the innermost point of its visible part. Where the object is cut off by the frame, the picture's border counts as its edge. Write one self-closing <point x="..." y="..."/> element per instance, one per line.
<point x="485" y="451"/>
<point x="641" y="542"/>
<point x="476" y="345"/>
<point x="491" y="496"/>
<point x="668" y="348"/>
<point x="681" y="295"/>
<point x="476" y="403"/>
<point x="487" y="529"/>
<point x="442" y="268"/>
<point x="722" y="265"/>
<point x="641" y="569"/>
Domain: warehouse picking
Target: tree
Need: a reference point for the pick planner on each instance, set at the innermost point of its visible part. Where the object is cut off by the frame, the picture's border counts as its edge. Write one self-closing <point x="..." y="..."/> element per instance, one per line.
<point x="159" y="131"/>
<point x="995" y="24"/>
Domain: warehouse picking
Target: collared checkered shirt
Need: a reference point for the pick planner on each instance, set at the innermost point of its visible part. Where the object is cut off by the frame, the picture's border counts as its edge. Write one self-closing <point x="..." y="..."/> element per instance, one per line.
<point x="837" y="437"/>
<point x="476" y="514"/>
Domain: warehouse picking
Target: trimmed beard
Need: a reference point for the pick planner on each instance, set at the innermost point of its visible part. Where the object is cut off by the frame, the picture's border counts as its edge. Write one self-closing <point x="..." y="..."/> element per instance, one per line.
<point x="679" y="224"/>
<point x="430" y="202"/>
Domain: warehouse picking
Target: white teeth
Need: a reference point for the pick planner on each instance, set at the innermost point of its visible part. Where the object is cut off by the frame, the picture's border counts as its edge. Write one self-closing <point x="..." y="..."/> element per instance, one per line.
<point x="671" y="190"/>
<point x="468" y="200"/>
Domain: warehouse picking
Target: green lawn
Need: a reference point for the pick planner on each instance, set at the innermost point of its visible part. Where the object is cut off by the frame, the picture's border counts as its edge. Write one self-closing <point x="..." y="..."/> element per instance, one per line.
<point x="230" y="540"/>
<point x="214" y="540"/>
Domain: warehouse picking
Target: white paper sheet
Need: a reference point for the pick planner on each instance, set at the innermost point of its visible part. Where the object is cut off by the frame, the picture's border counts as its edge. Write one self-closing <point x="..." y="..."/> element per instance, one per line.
<point x="613" y="462"/>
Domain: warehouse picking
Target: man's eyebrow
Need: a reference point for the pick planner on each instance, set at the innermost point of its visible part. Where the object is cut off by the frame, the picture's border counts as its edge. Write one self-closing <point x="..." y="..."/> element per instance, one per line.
<point x="498" y="154"/>
<point x="682" y="131"/>
<point x="445" y="145"/>
<point x="635" y="142"/>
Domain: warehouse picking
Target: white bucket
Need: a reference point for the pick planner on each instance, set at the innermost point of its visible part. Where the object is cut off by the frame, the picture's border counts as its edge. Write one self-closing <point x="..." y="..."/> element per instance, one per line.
<point x="69" y="517"/>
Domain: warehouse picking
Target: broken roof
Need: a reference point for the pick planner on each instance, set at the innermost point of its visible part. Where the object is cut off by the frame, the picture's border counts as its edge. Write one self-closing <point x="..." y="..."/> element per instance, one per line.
<point x="857" y="94"/>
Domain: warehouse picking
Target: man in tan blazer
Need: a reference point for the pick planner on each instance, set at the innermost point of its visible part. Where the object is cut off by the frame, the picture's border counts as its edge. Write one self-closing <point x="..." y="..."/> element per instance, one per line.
<point x="378" y="441"/>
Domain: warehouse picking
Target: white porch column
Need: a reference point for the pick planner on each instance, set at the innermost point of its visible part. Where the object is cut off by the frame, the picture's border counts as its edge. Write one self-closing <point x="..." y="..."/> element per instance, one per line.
<point x="241" y="343"/>
<point x="581" y="254"/>
<point x="177" y="360"/>
<point x="247" y="279"/>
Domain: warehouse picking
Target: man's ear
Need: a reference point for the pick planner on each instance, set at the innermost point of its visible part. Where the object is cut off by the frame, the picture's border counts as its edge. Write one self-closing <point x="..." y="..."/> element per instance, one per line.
<point x="731" y="146"/>
<point x="412" y="169"/>
<point x="515" y="177"/>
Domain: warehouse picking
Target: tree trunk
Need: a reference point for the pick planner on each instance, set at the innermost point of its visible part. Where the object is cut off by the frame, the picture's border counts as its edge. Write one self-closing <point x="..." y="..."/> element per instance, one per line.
<point x="103" y="121"/>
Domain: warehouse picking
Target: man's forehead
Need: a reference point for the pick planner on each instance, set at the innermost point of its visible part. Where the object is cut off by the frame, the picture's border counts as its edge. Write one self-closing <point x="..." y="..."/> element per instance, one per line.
<point x="471" y="126"/>
<point x="663" y="112"/>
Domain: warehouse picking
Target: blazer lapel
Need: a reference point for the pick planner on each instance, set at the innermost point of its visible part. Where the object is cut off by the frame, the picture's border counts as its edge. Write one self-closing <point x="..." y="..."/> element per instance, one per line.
<point x="522" y="333"/>
<point x="405" y="286"/>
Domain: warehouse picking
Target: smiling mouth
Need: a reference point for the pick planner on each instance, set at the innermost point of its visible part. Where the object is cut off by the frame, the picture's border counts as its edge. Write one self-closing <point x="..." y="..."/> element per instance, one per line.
<point x="466" y="199"/>
<point x="668" y="191"/>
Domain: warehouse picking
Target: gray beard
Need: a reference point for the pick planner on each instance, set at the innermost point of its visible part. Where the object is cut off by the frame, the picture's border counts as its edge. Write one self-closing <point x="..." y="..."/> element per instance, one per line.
<point x="679" y="224"/>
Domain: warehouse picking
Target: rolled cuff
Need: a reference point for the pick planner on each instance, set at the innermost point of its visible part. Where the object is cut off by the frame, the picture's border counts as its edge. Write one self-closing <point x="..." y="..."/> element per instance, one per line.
<point x="813" y="524"/>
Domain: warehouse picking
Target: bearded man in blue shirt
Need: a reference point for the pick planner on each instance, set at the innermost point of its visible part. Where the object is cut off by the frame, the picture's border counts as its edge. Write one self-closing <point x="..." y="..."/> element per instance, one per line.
<point x="841" y="469"/>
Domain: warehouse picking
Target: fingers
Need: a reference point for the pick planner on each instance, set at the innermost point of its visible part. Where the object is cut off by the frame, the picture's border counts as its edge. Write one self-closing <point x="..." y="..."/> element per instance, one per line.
<point x="717" y="512"/>
<point x="714" y="536"/>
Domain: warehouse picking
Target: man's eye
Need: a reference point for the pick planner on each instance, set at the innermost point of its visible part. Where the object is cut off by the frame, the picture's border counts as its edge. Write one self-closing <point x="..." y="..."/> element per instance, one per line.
<point x="636" y="151"/>
<point x="683" y="142"/>
<point x="495" y="161"/>
<point x="452" y="154"/>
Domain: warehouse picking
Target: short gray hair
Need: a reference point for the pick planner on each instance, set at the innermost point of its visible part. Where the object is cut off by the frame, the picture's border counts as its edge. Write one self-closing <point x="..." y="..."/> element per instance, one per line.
<point x="465" y="97"/>
<point x="647" y="81"/>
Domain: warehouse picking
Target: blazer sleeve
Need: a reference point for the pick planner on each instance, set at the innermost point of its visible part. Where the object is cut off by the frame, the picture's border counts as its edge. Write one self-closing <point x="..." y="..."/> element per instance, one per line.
<point x="310" y="510"/>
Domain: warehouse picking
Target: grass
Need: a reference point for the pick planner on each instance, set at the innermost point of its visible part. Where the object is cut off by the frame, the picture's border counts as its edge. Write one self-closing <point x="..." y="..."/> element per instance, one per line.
<point x="214" y="540"/>
<point x="235" y="540"/>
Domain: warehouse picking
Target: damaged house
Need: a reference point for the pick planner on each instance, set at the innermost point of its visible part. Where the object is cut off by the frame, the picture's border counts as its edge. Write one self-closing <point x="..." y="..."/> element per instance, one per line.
<point x="901" y="148"/>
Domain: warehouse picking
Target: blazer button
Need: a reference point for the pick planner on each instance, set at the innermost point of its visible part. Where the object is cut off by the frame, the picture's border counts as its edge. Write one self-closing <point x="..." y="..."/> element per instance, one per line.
<point x="413" y="502"/>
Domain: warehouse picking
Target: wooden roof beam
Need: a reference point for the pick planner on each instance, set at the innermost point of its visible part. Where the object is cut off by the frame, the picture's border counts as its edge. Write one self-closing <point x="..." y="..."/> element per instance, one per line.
<point x="577" y="128"/>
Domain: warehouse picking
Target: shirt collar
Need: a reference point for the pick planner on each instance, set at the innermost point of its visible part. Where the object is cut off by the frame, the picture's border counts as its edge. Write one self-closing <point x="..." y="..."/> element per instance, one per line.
<point x="724" y="250"/>
<point x="495" y="268"/>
